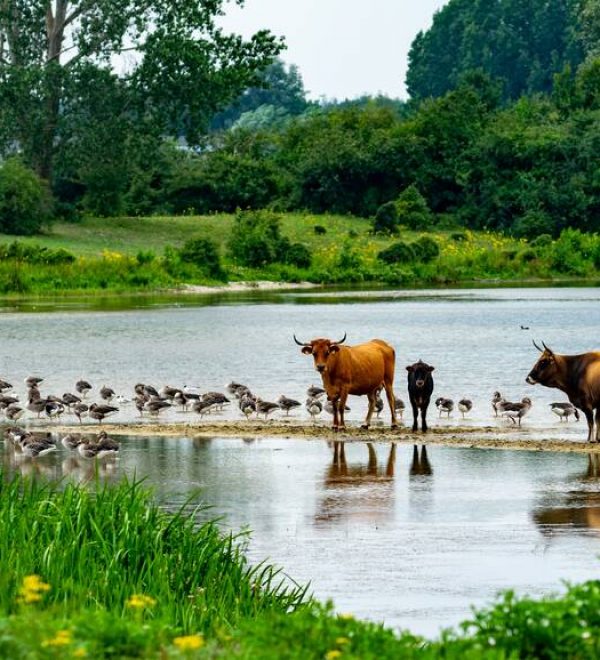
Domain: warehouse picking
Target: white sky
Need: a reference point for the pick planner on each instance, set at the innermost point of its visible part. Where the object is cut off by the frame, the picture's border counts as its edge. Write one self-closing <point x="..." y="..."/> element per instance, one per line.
<point x="343" y="48"/>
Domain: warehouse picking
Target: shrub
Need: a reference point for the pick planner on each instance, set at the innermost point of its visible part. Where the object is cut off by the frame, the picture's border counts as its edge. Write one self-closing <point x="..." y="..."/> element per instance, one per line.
<point x="398" y="253"/>
<point x="426" y="249"/>
<point x="204" y="254"/>
<point x="458" y="236"/>
<point x="256" y="239"/>
<point x="543" y="240"/>
<point x="298" y="255"/>
<point x="25" y="200"/>
<point x="528" y="255"/>
<point x="533" y="223"/>
<point x="319" y="230"/>
<point x="386" y="219"/>
<point x="412" y="209"/>
<point x="35" y="254"/>
<point x="349" y="259"/>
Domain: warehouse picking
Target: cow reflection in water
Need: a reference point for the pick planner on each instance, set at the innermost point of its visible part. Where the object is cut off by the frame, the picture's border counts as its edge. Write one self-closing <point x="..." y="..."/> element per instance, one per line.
<point x="579" y="510"/>
<point x="420" y="466"/>
<point x="357" y="491"/>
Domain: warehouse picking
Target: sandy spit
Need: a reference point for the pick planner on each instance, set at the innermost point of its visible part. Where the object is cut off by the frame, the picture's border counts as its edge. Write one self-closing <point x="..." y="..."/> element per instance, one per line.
<point x="237" y="287"/>
<point x="483" y="437"/>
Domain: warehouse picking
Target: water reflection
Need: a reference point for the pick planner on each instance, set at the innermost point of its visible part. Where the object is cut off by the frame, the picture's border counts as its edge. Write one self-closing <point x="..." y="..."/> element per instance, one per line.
<point x="578" y="508"/>
<point x="357" y="490"/>
<point x="420" y="465"/>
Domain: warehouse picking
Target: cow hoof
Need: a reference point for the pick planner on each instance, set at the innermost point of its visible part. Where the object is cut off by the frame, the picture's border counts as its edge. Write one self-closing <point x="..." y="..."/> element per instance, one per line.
<point x="415" y="429"/>
<point x="365" y="427"/>
<point x="395" y="427"/>
<point x="334" y="429"/>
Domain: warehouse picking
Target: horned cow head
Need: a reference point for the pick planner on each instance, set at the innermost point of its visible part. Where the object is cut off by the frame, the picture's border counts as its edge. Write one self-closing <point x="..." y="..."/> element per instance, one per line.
<point x="545" y="369"/>
<point x="321" y="350"/>
<point x="420" y="371"/>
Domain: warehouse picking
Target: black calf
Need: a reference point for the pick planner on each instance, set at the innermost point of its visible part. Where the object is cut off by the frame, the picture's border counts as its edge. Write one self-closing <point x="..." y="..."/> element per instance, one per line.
<point x="420" y="387"/>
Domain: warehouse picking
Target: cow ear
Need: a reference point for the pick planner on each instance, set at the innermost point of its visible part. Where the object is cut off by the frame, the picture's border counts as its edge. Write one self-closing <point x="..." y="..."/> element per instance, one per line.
<point x="410" y="368"/>
<point x="334" y="348"/>
<point x="307" y="350"/>
<point x="430" y="369"/>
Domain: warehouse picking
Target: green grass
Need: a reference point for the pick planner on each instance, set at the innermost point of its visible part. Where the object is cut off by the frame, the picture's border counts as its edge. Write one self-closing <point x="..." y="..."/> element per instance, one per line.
<point x="109" y="249"/>
<point x="118" y="577"/>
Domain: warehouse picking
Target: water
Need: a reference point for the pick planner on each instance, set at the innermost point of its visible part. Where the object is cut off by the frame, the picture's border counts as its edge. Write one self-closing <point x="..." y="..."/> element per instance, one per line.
<point x="413" y="541"/>
<point x="414" y="549"/>
<point x="472" y="337"/>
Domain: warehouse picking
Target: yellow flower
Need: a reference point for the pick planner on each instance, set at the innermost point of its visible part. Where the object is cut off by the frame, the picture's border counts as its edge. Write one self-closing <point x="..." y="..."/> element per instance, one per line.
<point x="332" y="655"/>
<point x="346" y="616"/>
<point x="80" y="652"/>
<point x="32" y="589"/>
<point x="62" y="638"/>
<point x="140" y="601"/>
<point x="189" y="642"/>
<point x="340" y="641"/>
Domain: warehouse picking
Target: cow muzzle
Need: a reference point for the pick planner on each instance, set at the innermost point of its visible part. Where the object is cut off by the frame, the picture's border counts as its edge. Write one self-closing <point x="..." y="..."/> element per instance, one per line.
<point x="321" y="368"/>
<point x="531" y="380"/>
<point x="420" y="383"/>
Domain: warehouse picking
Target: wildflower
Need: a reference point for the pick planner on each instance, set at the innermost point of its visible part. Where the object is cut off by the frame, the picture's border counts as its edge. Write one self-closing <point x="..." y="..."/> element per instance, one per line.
<point x="346" y="616"/>
<point x="140" y="601"/>
<point x="62" y="638"/>
<point x="32" y="589"/>
<point x="333" y="655"/>
<point x="80" y="652"/>
<point x="340" y="641"/>
<point x="189" y="642"/>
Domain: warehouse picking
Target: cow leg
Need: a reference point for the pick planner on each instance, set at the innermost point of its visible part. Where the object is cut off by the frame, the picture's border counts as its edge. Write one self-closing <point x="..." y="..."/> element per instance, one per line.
<point x="343" y="397"/>
<point x="336" y="416"/>
<point x="371" y="396"/>
<point x="589" y="415"/>
<point x="598" y="424"/>
<point x="415" y="410"/>
<point x="424" y="419"/>
<point x="389" y="392"/>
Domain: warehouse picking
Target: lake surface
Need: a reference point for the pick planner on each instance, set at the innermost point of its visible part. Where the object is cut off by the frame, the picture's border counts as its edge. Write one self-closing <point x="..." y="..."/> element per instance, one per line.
<point x="414" y="548"/>
<point x="410" y="539"/>
<point x="472" y="337"/>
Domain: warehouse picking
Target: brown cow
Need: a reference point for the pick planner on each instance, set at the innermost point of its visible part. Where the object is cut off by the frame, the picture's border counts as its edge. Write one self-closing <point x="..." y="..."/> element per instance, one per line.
<point x="361" y="369"/>
<point x="578" y="376"/>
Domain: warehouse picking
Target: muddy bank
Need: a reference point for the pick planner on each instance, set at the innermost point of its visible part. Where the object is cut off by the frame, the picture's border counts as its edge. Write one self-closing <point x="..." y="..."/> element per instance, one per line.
<point x="484" y="437"/>
<point x="245" y="286"/>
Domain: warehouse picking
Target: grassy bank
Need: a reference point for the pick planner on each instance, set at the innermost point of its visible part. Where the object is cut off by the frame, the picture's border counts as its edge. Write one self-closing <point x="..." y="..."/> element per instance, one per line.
<point x="107" y="574"/>
<point x="133" y="254"/>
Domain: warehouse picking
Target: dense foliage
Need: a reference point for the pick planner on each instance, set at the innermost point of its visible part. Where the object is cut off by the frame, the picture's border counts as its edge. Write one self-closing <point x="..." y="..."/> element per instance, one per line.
<point x="523" y="43"/>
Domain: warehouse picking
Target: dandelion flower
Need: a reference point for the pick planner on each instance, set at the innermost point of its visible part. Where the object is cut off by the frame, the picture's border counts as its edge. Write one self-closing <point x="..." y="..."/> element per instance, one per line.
<point x="189" y="642"/>
<point x="140" y="601"/>
<point x="62" y="638"/>
<point x="333" y="655"/>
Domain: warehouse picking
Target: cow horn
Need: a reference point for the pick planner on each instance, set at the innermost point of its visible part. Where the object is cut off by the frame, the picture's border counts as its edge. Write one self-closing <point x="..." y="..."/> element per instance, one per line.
<point x="341" y="341"/>
<point x="548" y="349"/>
<point x="541" y="350"/>
<point x="299" y="342"/>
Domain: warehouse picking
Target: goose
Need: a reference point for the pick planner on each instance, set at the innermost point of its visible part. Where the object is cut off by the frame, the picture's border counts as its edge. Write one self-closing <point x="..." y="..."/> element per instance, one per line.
<point x="54" y="409"/>
<point x="83" y="387"/>
<point x="150" y="391"/>
<point x="202" y="407"/>
<point x="35" y="449"/>
<point x="314" y="392"/>
<point x="71" y="441"/>
<point x="33" y="394"/>
<point x="329" y="407"/>
<point x="6" y="400"/>
<point x="4" y="385"/>
<point x="70" y="399"/>
<point x="80" y="410"/>
<point x="155" y="406"/>
<point x="107" y="393"/>
<point x="497" y="400"/>
<point x="33" y="381"/>
<point x="563" y="410"/>
<point x="465" y="406"/>
<point x="516" y="410"/>
<point x="37" y="406"/>
<point x="217" y="398"/>
<point x="287" y="404"/>
<point x="265" y="407"/>
<point x="399" y="406"/>
<point x="168" y="392"/>
<point x="247" y="406"/>
<point x="13" y="412"/>
<point x="314" y="407"/>
<point x="107" y="446"/>
<point x="234" y="387"/>
<point x="99" y="412"/>
<point x="378" y="405"/>
<point x="181" y="399"/>
<point x="444" y="405"/>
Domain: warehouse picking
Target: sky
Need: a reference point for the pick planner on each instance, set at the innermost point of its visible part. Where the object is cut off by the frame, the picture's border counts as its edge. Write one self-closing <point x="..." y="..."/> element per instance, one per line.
<point x="343" y="48"/>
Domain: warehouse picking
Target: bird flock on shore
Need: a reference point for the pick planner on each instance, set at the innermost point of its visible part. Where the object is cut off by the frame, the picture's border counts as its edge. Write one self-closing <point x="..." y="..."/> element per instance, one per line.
<point x="151" y="401"/>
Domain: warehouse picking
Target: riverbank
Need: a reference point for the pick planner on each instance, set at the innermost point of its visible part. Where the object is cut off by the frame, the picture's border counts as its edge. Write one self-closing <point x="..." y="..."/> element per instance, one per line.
<point x="125" y="255"/>
<point x="480" y="437"/>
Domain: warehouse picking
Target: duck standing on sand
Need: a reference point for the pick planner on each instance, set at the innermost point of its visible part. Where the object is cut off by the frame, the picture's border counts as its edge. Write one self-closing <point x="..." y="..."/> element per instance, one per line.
<point x="516" y="411"/>
<point x="287" y="404"/>
<point x="563" y="410"/>
<point x="444" y="405"/>
<point x="100" y="412"/>
<point x="465" y="406"/>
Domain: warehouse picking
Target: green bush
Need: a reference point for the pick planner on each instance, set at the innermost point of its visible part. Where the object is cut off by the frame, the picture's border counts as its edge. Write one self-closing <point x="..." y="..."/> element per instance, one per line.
<point x="412" y="209"/>
<point x="386" y="219"/>
<point x="458" y="236"/>
<point x="533" y="223"/>
<point x="398" y="253"/>
<point x="298" y="255"/>
<point x="528" y="255"/>
<point x="204" y="254"/>
<point x="319" y="230"/>
<point x="426" y="249"/>
<point x="35" y="254"/>
<point x="543" y="240"/>
<point x="25" y="200"/>
<point x="256" y="239"/>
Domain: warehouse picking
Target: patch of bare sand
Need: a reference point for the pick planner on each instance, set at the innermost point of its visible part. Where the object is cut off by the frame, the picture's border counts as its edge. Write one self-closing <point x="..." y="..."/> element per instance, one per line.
<point x="483" y="437"/>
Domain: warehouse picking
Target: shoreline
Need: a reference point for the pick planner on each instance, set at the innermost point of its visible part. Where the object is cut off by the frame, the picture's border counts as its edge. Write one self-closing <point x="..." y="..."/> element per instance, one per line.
<point x="481" y="437"/>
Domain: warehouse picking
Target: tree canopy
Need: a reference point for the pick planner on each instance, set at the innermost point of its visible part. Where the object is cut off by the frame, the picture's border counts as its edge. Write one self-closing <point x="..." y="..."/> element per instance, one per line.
<point x="522" y="42"/>
<point x="88" y="77"/>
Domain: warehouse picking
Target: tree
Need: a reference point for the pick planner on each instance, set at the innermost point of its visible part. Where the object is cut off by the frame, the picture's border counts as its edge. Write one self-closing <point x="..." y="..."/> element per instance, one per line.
<point x="164" y="65"/>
